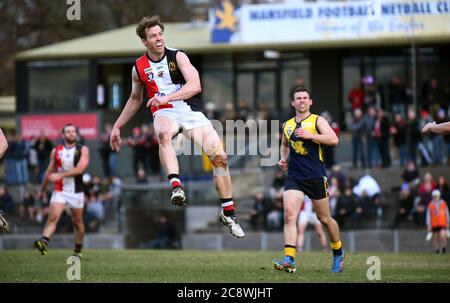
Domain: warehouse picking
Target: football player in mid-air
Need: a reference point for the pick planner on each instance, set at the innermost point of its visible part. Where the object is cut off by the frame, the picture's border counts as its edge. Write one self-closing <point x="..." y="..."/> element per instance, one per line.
<point x="173" y="84"/>
<point x="67" y="165"/>
<point x="3" y="146"/>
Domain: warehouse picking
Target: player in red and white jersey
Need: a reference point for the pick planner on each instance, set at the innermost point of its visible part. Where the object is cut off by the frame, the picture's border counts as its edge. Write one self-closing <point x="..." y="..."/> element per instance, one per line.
<point x="173" y="84"/>
<point x="305" y="217"/>
<point x="67" y="165"/>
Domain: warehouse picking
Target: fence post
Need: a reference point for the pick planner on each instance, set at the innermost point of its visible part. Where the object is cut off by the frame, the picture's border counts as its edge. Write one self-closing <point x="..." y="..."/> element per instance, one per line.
<point x="263" y="241"/>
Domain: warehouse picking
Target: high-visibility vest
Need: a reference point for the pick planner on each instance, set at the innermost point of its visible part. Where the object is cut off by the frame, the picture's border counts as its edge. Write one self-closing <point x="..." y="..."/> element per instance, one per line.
<point x="438" y="217"/>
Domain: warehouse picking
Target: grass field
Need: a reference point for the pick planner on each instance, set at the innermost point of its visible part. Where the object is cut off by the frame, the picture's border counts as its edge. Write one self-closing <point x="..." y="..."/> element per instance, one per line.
<point x="212" y="266"/>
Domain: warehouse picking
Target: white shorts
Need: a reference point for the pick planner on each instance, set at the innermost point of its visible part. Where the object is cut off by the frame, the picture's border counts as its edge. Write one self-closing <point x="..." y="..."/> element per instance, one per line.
<point x="306" y="217"/>
<point x="187" y="119"/>
<point x="73" y="200"/>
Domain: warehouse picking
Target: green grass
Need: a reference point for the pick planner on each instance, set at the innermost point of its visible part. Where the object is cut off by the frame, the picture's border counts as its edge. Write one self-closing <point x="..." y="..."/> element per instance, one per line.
<point x="212" y="266"/>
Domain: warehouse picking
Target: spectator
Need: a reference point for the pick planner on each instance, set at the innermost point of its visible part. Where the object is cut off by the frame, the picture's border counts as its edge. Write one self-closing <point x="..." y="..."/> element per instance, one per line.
<point x="356" y="96"/>
<point x="413" y="135"/>
<point x="373" y="153"/>
<point x="108" y="156"/>
<point x="345" y="207"/>
<point x="367" y="184"/>
<point x="211" y="112"/>
<point x="425" y="189"/>
<point x="153" y="164"/>
<point x="397" y="96"/>
<point x="406" y="203"/>
<point x="6" y="201"/>
<point x="438" y="140"/>
<point x="43" y="147"/>
<point x="243" y="110"/>
<point x="410" y="176"/>
<point x="364" y="209"/>
<point x="398" y="131"/>
<point x="432" y="96"/>
<point x="426" y="144"/>
<point x="275" y="214"/>
<point x="26" y="208"/>
<point x="336" y="171"/>
<point x="164" y="234"/>
<point x="443" y="187"/>
<point x="381" y="134"/>
<point x="43" y="208"/>
<point x="438" y="221"/>
<point x="328" y="151"/>
<point x="94" y="213"/>
<point x="141" y="177"/>
<point x="137" y="142"/>
<point x="258" y="213"/>
<point x="357" y="128"/>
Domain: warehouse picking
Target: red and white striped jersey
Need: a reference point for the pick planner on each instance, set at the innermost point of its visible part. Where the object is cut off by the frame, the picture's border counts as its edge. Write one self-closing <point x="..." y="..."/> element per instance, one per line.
<point x="67" y="159"/>
<point x="164" y="77"/>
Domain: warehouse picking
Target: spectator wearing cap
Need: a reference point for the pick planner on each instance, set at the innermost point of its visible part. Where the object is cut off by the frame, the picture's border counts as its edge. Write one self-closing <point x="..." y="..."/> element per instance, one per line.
<point x="438" y="221"/>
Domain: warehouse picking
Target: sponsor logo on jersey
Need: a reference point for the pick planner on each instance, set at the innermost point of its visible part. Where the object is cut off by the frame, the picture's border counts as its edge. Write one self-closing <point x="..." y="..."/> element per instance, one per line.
<point x="149" y="76"/>
<point x="172" y="66"/>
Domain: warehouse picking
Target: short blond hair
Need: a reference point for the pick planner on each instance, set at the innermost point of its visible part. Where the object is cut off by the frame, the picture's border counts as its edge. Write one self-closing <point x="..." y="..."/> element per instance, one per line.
<point x="148" y="22"/>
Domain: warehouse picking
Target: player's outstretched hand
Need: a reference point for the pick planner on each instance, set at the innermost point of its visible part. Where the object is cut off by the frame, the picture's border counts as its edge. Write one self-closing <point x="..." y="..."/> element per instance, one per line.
<point x="427" y="128"/>
<point x="282" y="164"/>
<point x="114" y="140"/>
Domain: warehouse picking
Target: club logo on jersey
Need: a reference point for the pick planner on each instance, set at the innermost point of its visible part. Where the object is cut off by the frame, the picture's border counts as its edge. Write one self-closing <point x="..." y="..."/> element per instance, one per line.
<point x="299" y="148"/>
<point x="289" y="131"/>
<point x="148" y="72"/>
<point x="149" y="76"/>
<point x="172" y="66"/>
<point x="161" y="73"/>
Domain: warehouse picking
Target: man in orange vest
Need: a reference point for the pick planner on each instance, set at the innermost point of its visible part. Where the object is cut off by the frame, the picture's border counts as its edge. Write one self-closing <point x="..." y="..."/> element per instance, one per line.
<point x="438" y="220"/>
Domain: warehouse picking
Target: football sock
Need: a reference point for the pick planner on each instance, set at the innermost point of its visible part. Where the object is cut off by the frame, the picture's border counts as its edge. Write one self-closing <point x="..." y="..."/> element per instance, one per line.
<point x="227" y="206"/>
<point x="336" y="247"/>
<point x="290" y="251"/>
<point x="174" y="180"/>
<point x="45" y="240"/>
<point x="78" y="248"/>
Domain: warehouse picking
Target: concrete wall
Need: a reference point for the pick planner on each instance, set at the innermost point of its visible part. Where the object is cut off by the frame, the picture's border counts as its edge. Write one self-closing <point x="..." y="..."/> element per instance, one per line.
<point x="357" y="241"/>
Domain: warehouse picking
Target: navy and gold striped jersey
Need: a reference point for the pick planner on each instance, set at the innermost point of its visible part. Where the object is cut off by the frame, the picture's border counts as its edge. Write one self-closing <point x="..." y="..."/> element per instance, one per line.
<point x="305" y="156"/>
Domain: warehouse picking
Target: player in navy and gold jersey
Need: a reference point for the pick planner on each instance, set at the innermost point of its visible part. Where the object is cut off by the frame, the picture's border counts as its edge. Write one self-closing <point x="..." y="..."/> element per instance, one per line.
<point x="301" y="155"/>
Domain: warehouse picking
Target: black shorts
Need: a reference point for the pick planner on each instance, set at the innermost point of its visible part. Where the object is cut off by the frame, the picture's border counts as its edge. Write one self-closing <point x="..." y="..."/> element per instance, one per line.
<point x="315" y="189"/>
<point x="437" y="229"/>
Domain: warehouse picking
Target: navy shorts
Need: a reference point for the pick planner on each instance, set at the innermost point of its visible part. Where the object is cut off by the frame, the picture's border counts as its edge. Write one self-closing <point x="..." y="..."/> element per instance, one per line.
<point x="315" y="189"/>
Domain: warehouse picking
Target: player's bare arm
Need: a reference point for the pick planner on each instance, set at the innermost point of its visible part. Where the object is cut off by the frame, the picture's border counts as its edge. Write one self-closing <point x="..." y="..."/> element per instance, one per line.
<point x="284" y="153"/>
<point x="3" y="144"/>
<point x="190" y="89"/>
<point x="50" y="169"/>
<point x="77" y="170"/>
<point x="131" y="107"/>
<point x="326" y="134"/>
<point x="432" y="127"/>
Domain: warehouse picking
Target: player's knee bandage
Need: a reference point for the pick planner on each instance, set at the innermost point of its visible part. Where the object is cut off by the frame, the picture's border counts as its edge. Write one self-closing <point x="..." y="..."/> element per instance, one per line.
<point x="219" y="161"/>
